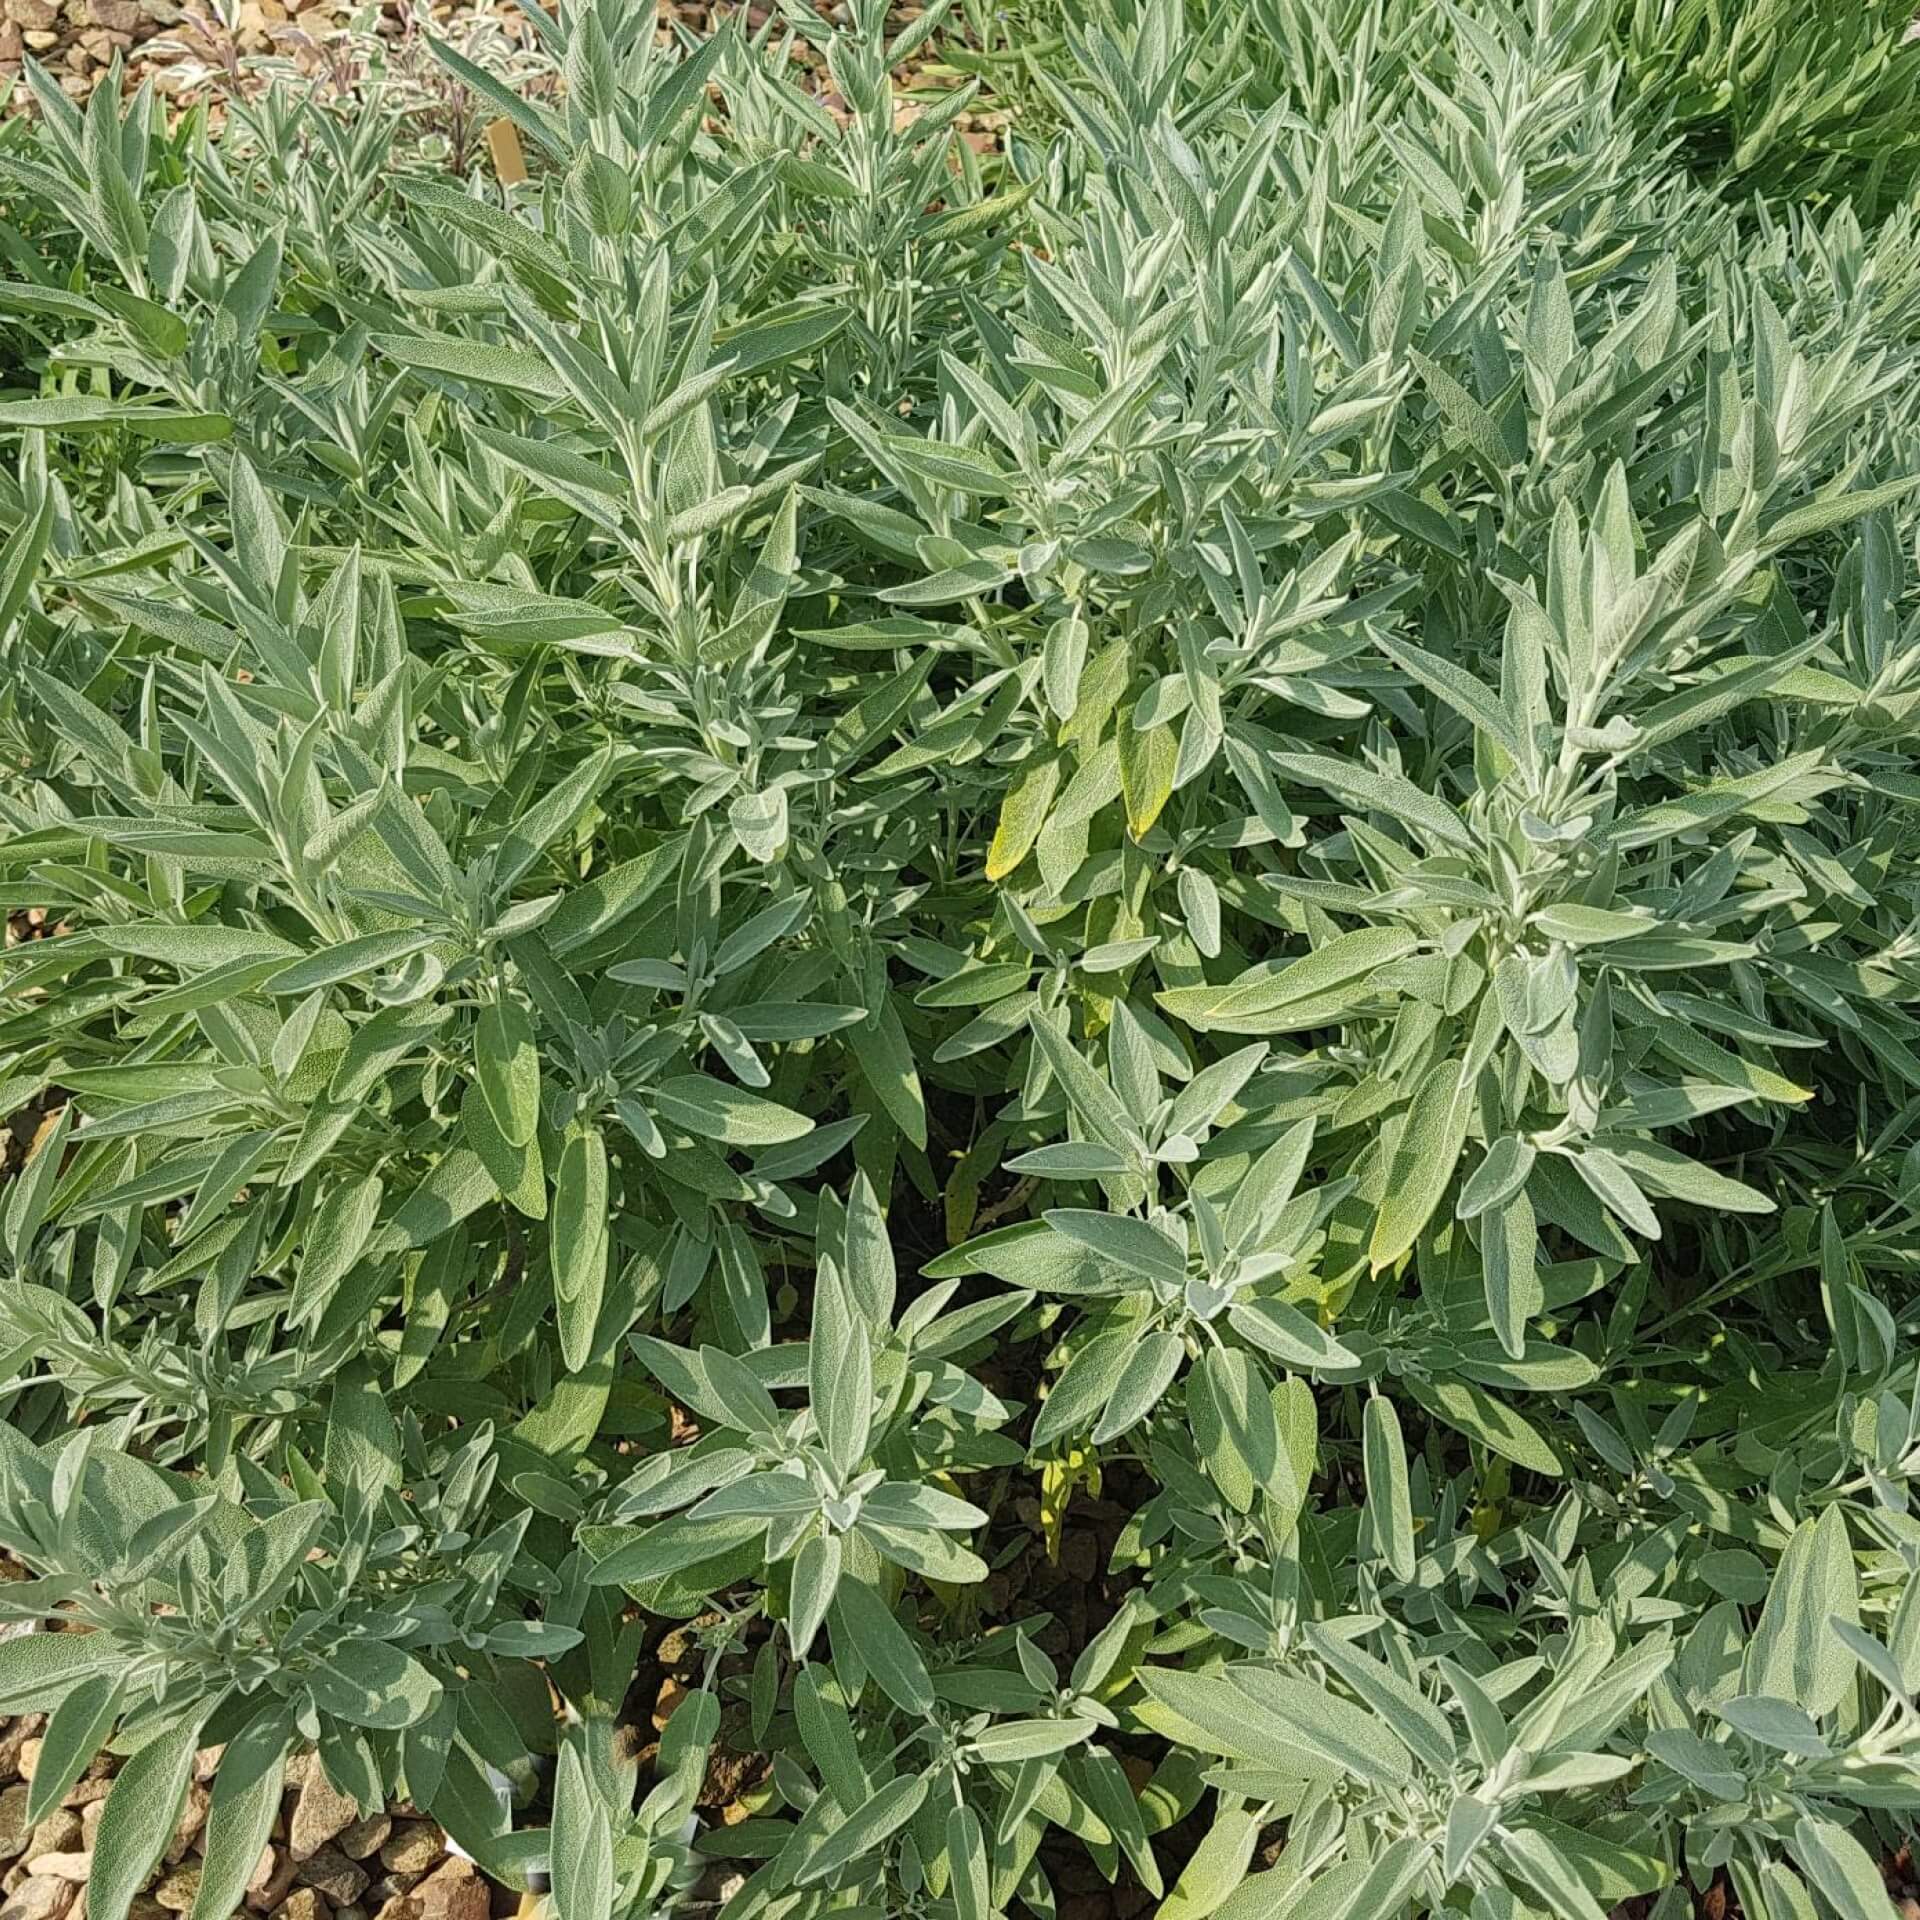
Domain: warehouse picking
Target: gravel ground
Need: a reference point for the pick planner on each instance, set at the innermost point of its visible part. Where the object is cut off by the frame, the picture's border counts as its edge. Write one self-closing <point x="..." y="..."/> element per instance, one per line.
<point x="212" y="49"/>
<point x="325" y="1862"/>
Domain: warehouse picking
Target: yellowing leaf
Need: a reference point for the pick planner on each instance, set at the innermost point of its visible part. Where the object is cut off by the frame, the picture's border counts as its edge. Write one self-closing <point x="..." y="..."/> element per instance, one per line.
<point x="1022" y="814"/>
<point x="1146" y="773"/>
<point x="1423" y="1163"/>
<point x="1059" y="1481"/>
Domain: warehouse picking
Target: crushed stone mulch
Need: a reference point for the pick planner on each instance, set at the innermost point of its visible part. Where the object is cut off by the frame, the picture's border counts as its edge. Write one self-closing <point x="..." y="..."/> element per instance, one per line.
<point x="212" y="51"/>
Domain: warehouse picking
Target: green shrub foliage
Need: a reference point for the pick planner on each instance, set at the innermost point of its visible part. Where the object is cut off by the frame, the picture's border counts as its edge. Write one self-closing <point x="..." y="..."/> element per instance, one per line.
<point x="1809" y="102"/>
<point x="767" y="850"/>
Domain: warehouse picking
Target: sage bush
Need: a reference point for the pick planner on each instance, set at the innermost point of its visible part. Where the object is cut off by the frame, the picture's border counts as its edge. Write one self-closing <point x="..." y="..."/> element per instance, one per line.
<point x="758" y="851"/>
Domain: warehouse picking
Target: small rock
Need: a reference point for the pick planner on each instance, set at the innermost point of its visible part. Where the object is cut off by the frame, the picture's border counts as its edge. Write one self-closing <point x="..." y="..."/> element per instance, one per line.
<point x="453" y="1892"/>
<point x="59" y="1832"/>
<point x="87" y="1793"/>
<point x="339" y="1878"/>
<point x="193" y="1816"/>
<point x="39" y="1897"/>
<point x="277" y="1885"/>
<point x="33" y="13"/>
<point x="677" y="1644"/>
<point x="303" y="1903"/>
<point x="350" y="1913"/>
<point x="19" y="1731"/>
<point x="321" y="1812"/>
<point x="13" y="1821"/>
<point x="363" y="1837"/>
<point x="177" y="1890"/>
<point x="402" y="1906"/>
<point x="146" y="1907"/>
<point x="413" y="1847"/>
<point x="30" y="1749"/>
<point x="718" y="1885"/>
<point x="63" y="1866"/>
<point x="671" y="1693"/>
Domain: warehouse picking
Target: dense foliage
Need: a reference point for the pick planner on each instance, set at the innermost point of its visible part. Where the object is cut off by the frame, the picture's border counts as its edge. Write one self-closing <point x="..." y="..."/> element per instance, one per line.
<point x="798" y="836"/>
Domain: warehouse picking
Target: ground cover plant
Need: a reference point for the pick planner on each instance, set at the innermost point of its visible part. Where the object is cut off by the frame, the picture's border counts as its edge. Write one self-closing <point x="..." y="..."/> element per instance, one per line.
<point x="765" y="859"/>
